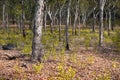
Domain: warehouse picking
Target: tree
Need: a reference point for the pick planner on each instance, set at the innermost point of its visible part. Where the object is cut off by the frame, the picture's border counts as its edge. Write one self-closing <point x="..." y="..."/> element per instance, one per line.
<point x="67" y="24"/>
<point x="22" y="20"/>
<point x="84" y="5"/>
<point x="76" y="16"/>
<point x="52" y="12"/>
<point x="4" y="7"/>
<point x="37" y="48"/>
<point x="111" y="6"/>
<point x="101" y="6"/>
<point x="61" y="4"/>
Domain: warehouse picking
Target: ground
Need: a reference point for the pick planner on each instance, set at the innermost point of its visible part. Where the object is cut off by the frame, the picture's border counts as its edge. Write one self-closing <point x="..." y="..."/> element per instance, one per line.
<point x="82" y="64"/>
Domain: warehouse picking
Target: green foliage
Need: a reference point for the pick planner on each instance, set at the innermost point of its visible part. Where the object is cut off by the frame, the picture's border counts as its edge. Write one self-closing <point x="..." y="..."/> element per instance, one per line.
<point x="18" y="69"/>
<point x="38" y="67"/>
<point x="65" y="74"/>
<point x="90" y="59"/>
<point x="73" y="57"/>
<point x="116" y="39"/>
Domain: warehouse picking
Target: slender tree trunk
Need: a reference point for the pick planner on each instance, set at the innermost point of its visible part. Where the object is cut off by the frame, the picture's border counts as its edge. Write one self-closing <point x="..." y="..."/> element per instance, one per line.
<point x="84" y="19"/>
<point x="79" y="25"/>
<point x="113" y="22"/>
<point x="22" y="21"/>
<point x="67" y="25"/>
<point x="94" y="21"/>
<point x="45" y="16"/>
<point x="4" y="22"/>
<point x="101" y="29"/>
<point x="60" y="25"/>
<point x="76" y="17"/>
<point x="102" y="4"/>
<point x="106" y="20"/>
<point x="51" y="26"/>
<point x="30" y="17"/>
<point x="7" y="25"/>
<point x="51" y="21"/>
<point x="109" y="25"/>
<point x="37" y="47"/>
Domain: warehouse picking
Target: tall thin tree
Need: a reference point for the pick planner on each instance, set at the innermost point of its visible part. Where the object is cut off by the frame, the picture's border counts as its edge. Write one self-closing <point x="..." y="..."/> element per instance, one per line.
<point x="67" y="25"/>
<point x="101" y="5"/>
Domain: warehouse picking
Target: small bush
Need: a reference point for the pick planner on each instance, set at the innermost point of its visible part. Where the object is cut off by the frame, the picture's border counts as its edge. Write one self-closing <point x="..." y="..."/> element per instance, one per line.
<point x="116" y="39"/>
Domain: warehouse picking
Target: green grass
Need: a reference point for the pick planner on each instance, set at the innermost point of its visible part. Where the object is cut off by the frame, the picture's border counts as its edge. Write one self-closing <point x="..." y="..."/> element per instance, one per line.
<point x="51" y="41"/>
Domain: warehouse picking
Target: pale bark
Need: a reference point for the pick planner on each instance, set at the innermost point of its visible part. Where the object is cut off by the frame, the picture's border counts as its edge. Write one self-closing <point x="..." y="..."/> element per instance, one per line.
<point x="79" y="24"/>
<point x="102" y="4"/>
<point x="109" y="25"/>
<point x="76" y="17"/>
<point x="60" y="18"/>
<point x="51" y="21"/>
<point x="84" y="19"/>
<point x="37" y="48"/>
<point x="94" y="20"/>
<point x="67" y="25"/>
<point x="4" y="22"/>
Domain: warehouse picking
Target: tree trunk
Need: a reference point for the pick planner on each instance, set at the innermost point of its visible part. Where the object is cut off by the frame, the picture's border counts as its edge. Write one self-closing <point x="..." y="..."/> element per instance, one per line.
<point x="7" y="25"/>
<point x="79" y="24"/>
<point x="109" y="25"/>
<point x="113" y="22"/>
<point x="4" y="22"/>
<point x="67" y="25"/>
<point x="37" y="48"/>
<point x="94" y="21"/>
<point x="106" y="20"/>
<point x="45" y="16"/>
<point x="60" y="25"/>
<point x="51" y="26"/>
<point x="102" y="4"/>
<point x="84" y="19"/>
<point x="76" y="17"/>
<point x="22" y="21"/>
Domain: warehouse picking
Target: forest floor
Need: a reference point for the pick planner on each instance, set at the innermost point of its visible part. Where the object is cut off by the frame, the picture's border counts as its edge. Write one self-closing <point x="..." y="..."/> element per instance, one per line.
<point x="82" y="64"/>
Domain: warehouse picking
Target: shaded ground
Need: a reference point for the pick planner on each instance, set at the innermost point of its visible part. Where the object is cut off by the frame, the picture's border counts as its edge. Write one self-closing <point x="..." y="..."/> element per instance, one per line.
<point x="87" y="64"/>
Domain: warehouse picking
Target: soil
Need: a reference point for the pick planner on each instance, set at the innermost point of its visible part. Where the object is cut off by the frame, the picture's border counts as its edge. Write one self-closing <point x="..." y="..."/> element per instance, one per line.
<point x="90" y="65"/>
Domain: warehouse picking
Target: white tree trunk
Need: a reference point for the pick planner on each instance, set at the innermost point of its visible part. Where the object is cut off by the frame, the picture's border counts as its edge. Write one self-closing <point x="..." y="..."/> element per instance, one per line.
<point x="109" y="25"/>
<point x="67" y="25"/>
<point x="76" y="18"/>
<point x="37" y="48"/>
<point x="4" y="22"/>
<point x="94" y="20"/>
<point x="102" y="4"/>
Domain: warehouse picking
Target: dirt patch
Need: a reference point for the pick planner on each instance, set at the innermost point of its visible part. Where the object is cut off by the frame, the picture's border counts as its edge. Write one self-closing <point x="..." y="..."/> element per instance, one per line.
<point x="88" y="65"/>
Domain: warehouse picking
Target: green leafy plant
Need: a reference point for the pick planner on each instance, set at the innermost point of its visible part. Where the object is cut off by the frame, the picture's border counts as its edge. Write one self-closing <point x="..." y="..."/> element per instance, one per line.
<point x="65" y="74"/>
<point x="90" y="59"/>
<point x="116" y="39"/>
<point x="38" y="67"/>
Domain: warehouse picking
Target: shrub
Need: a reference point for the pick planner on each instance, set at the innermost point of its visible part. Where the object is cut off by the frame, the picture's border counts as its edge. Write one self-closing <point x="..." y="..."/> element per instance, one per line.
<point x="116" y="39"/>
